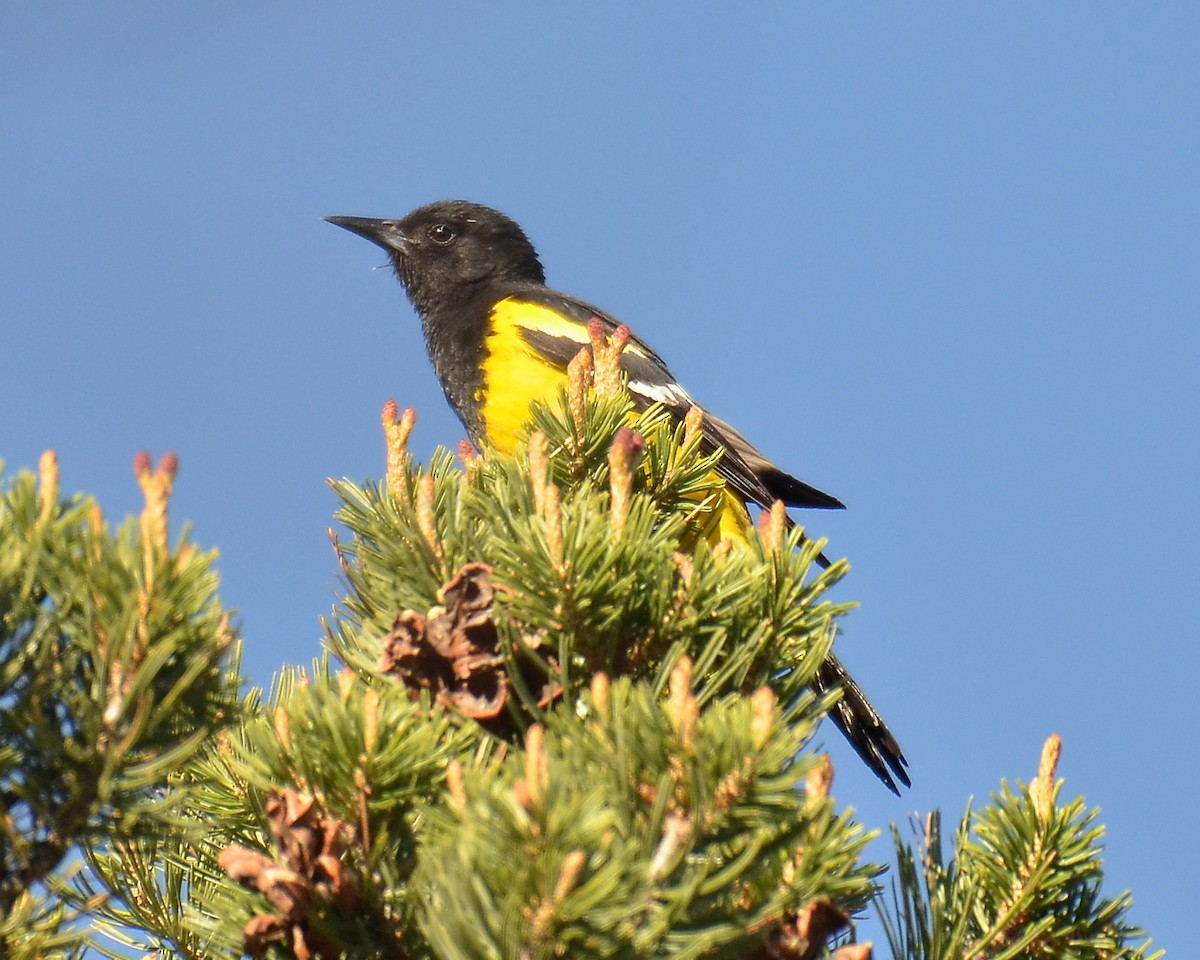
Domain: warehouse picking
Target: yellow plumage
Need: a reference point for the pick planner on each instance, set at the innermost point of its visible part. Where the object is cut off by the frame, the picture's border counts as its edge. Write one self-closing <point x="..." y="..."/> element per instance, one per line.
<point x="515" y="375"/>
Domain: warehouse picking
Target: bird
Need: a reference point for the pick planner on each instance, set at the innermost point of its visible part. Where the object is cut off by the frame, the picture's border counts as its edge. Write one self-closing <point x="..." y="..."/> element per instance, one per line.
<point x="499" y="339"/>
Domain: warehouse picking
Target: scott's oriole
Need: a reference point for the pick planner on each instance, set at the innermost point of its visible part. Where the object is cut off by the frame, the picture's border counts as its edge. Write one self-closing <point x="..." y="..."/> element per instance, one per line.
<point x="500" y="339"/>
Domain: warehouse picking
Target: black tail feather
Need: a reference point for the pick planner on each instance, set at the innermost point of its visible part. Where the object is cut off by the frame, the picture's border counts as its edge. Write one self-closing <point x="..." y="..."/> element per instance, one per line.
<point x="796" y="493"/>
<point x="863" y="726"/>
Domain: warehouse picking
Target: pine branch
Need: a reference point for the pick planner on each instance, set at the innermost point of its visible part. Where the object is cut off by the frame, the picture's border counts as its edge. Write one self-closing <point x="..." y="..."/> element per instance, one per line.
<point x="1023" y="880"/>
<point x="590" y="576"/>
<point x="643" y="829"/>
<point x="483" y="601"/>
<point x="116" y="661"/>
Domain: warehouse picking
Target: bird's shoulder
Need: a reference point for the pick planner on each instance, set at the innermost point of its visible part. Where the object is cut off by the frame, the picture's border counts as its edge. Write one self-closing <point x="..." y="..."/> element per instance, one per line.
<point x="556" y="325"/>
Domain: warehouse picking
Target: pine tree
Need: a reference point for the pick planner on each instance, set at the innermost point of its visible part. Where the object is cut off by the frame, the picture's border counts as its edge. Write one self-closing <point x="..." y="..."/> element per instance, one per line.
<point x="553" y="718"/>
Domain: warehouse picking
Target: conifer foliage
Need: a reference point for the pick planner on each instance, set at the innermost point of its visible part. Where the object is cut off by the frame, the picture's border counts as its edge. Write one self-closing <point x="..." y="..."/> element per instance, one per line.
<point x="557" y="716"/>
<point x="116" y="664"/>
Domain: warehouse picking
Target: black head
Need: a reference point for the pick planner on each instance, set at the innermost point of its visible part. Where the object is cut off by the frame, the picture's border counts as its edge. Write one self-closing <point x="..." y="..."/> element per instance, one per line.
<point x="445" y="250"/>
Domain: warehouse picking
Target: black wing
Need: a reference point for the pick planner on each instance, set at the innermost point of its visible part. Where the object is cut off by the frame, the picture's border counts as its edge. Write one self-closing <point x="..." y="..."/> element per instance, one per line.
<point x="747" y="471"/>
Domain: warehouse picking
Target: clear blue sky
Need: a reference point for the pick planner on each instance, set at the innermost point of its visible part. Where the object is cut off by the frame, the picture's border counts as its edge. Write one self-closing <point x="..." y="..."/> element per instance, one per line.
<point x="938" y="259"/>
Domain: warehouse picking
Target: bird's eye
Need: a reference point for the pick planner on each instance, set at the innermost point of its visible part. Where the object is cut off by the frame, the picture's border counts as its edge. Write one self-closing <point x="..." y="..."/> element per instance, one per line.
<point x="441" y="233"/>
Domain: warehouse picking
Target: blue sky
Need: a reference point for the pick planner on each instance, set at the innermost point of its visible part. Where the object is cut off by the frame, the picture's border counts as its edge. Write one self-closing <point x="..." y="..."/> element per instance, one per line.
<point x="937" y="259"/>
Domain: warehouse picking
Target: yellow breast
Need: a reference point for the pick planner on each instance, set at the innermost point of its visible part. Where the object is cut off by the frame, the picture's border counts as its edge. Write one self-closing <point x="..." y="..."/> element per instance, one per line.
<point x="514" y="373"/>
